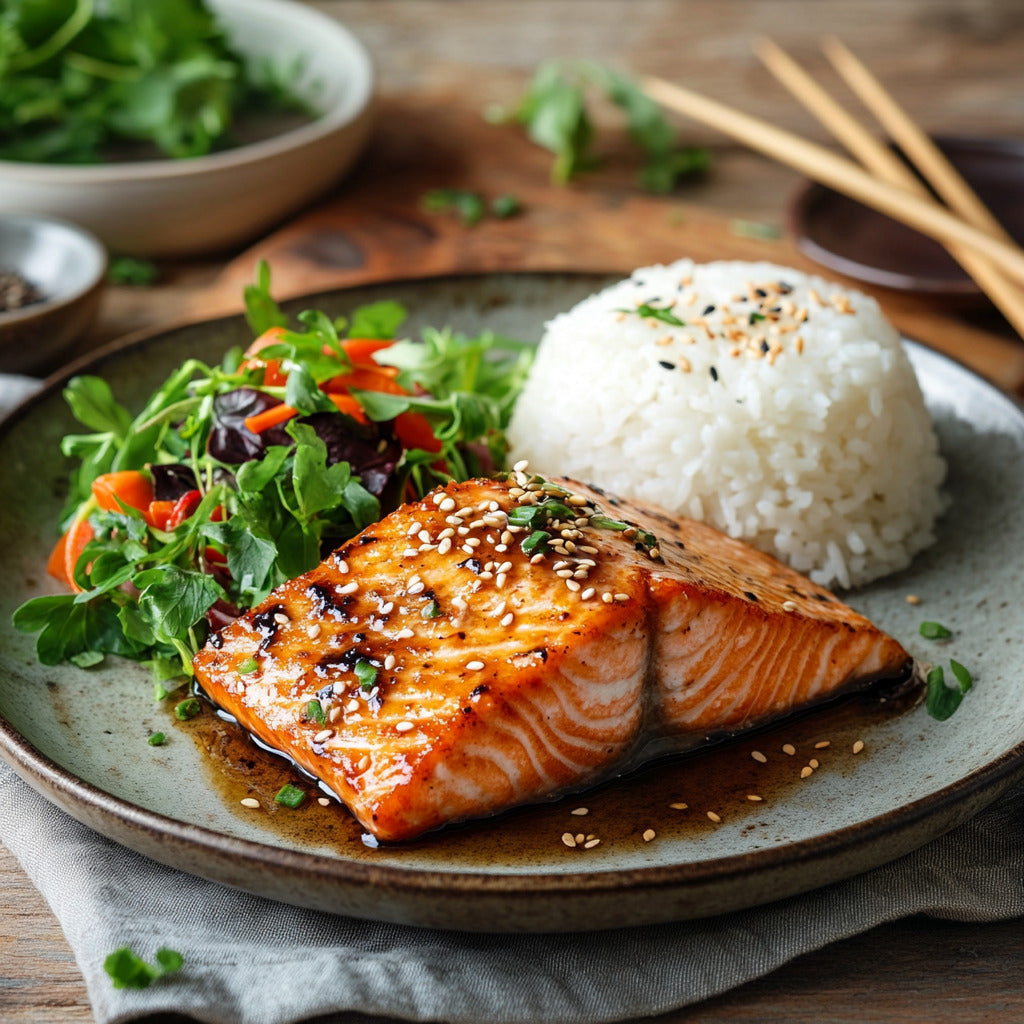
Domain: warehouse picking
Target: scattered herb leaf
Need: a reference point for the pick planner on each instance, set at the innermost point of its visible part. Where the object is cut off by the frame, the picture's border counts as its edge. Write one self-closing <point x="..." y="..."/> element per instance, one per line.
<point x="941" y="701"/>
<point x="128" y="270"/>
<point x="647" y="311"/>
<point x="186" y="709"/>
<point x="128" y="970"/>
<point x="157" y="739"/>
<point x="366" y="673"/>
<point x="935" y="631"/>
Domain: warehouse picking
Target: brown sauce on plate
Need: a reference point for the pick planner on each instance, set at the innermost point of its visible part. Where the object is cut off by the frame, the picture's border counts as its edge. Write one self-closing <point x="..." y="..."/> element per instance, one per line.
<point x="717" y="781"/>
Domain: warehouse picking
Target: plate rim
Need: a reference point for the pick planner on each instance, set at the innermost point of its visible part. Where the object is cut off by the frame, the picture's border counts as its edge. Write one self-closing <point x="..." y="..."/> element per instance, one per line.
<point x="74" y="794"/>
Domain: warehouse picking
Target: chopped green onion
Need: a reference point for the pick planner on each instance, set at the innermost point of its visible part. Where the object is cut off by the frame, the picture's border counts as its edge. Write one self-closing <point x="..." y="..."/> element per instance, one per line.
<point x="431" y="610"/>
<point x="525" y="515"/>
<point x="537" y="541"/>
<point x="315" y="712"/>
<point x="942" y="700"/>
<point x="157" y="739"/>
<point x="187" y="709"/>
<point x="366" y="674"/>
<point x="935" y="631"/>
<point x="128" y="970"/>
<point x="505" y="205"/>
<point x="248" y="666"/>
<point x="290" y="796"/>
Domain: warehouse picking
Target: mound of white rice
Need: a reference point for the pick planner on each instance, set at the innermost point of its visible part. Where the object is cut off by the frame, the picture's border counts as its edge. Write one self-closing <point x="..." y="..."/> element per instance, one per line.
<point x="784" y="411"/>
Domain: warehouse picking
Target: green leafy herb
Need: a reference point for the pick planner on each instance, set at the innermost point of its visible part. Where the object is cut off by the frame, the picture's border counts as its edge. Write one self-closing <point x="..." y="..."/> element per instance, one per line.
<point x="248" y="666"/>
<point x="468" y="205"/>
<point x="290" y="796"/>
<point x="131" y="271"/>
<point x="506" y="205"/>
<point x="366" y="673"/>
<point x="647" y="311"/>
<point x="128" y="970"/>
<point x="554" y="112"/>
<point x="186" y="709"/>
<point x="157" y="739"/>
<point x="754" y="229"/>
<point x="935" y="631"/>
<point x="431" y="610"/>
<point x="942" y="700"/>
<point x="80" y="79"/>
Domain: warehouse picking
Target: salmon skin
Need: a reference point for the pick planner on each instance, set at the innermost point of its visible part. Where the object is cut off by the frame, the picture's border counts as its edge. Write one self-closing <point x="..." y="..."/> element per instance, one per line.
<point x="504" y="641"/>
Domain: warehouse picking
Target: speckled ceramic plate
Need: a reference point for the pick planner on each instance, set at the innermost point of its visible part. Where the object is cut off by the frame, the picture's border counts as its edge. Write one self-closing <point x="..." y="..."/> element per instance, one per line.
<point x="80" y="737"/>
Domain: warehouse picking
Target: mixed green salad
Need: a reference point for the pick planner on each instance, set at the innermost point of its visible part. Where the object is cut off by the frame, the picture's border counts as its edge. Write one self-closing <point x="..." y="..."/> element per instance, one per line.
<point x="235" y="478"/>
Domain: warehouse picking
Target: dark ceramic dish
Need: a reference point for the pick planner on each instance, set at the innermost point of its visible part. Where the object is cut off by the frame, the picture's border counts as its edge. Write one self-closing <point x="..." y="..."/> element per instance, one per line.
<point x="80" y="736"/>
<point x="853" y="240"/>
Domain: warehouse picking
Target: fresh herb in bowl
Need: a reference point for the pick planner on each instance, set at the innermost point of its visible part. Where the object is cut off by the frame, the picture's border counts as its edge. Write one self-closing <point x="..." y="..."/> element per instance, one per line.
<point x="234" y="478"/>
<point x="80" y="78"/>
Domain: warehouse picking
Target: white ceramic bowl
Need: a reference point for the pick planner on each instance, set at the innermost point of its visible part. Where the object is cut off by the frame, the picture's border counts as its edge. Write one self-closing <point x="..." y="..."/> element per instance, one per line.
<point x="68" y="266"/>
<point x="209" y="203"/>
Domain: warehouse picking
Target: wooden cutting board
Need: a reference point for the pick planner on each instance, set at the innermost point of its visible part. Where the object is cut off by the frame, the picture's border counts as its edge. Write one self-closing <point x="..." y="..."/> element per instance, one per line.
<point x="373" y="227"/>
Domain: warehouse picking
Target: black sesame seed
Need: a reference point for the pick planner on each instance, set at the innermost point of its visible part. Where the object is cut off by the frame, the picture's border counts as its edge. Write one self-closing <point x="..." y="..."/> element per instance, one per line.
<point x="708" y="309"/>
<point x="668" y="366"/>
<point x="714" y="373"/>
<point x="750" y="595"/>
<point x="760" y="293"/>
<point x="764" y="346"/>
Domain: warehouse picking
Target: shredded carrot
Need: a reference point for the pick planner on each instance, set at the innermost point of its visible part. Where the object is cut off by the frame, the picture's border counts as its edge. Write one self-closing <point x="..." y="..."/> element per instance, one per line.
<point x="271" y="417"/>
<point x="347" y="404"/>
<point x="361" y="350"/>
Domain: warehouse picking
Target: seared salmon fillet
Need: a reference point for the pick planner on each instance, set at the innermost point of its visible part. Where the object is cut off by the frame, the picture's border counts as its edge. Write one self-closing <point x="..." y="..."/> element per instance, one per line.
<point x="500" y="642"/>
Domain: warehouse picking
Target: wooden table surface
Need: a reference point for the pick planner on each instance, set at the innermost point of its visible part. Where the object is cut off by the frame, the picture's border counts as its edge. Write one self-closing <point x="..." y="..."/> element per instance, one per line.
<point x="955" y="64"/>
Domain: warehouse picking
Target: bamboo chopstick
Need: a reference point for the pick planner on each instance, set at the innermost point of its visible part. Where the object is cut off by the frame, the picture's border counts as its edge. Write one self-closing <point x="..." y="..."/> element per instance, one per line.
<point x="836" y="172"/>
<point x="881" y="161"/>
<point x="926" y="156"/>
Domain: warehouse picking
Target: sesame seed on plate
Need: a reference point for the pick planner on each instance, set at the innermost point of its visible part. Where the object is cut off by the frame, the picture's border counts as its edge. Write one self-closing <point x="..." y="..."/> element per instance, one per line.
<point x="249" y="801"/>
<point x="806" y="771"/>
<point x="323" y="801"/>
<point x="755" y="798"/>
<point x="569" y="839"/>
<point x="858" y="746"/>
<point x="716" y="818"/>
<point x="758" y="756"/>
<point x="788" y="748"/>
<point x="649" y="834"/>
<point x="822" y="744"/>
<point x="591" y="843"/>
<point x="579" y="811"/>
<point x="679" y="806"/>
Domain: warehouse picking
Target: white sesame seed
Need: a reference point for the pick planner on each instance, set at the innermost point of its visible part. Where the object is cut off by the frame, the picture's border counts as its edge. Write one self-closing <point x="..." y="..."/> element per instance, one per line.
<point x="580" y="811"/>
<point x="404" y="634"/>
<point x="465" y="512"/>
<point x="416" y="588"/>
<point x="789" y="606"/>
<point x="591" y="843"/>
<point x="913" y="599"/>
<point x="814" y="762"/>
<point x="322" y="735"/>
<point x="438" y="497"/>
<point x="621" y="597"/>
<point x="499" y="580"/>
<point x="755" y="798"/>
<point x="404" y="726"/>
<point x="587" y="594"/>
<point x="323" y="801"/>
<point x="334" y="714"/>
<point x="424" y="537"/>
<point x="349" y="588"/>
<point x="806" y="771"/>
<point x="389" y="662"/>
<point x="716" y="818"/>
<point x="342" y="565"/>
<point x="569" y="839"/>
<point x="474" y="666"/>
<point x="649" y="834"/>
<point x="788" y="748"/>
<point x="521" y="465"/>
<point x="858" y="746"/>
<point x="473" y="542"/>
<point x="313" y="631"/>
<point x="822" y="744"/>
<point x="679" y="806"/>
<point x="607" y="597"/>
<point x="565" y="574"/>
<point x="758" y="756"/>
<point x="537" y="558"/>
<point x="386" y="609"/>
<point x="364" y="763"/>
<point x="414" y="527"/>
<point x="352" y="705"/>
<point x="573" y="586"/>
<point x="281" y="619"/>
<point x="448" y="505"/>
<point x="410" y="553"/>
<point x="506" y="619"/>
<point x="249" y="801"/>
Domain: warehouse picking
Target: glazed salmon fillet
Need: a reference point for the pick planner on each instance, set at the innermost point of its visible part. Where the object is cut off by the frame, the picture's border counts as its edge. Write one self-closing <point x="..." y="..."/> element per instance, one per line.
<point x="501" y="642"/>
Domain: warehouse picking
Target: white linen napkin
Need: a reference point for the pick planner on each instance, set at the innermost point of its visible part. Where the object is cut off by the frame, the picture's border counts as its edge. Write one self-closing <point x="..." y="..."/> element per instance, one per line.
<point x="253" y="961"/>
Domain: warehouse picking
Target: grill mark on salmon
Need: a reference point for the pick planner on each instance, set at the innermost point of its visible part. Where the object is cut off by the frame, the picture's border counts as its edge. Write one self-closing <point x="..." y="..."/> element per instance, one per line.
<point x="687" y="635"/>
